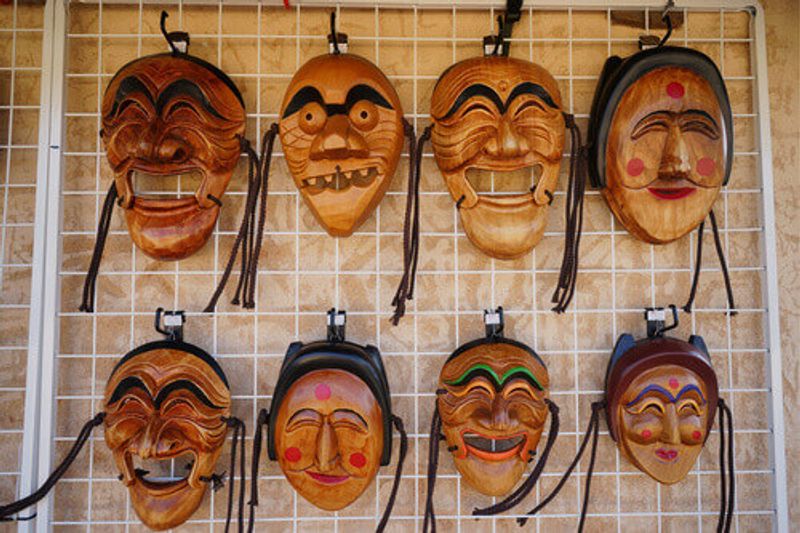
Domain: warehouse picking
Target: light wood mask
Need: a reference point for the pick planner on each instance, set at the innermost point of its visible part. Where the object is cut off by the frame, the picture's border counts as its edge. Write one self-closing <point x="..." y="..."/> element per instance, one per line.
<point x="498" y="114"/>
<point x="341" y="128"/>
<point x="493" y="413"/>
<point x="162" y="403"/>
<point x="165" y="115"/>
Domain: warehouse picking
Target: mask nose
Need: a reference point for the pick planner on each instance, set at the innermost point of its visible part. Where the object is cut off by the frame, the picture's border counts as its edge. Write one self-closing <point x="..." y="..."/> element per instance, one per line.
<point x="500" y="415"/>
<point x="172" y="150"/>
<point x="338" y="141"/>
<point x="507" y="143"/>
<point x="327" y="448"/>
<point x="146" y="444"/>
<point x="671" y="433"/>
<point x="675" y="157"/>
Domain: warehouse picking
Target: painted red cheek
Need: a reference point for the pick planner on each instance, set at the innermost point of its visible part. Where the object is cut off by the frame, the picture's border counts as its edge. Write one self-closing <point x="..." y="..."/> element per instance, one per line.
<point x="696" y="435"/>
<point x="635" y="166"/>
<point x="706" y="166"/>
<point x="322" y="392"/>
<point x="292" y="454"/>
<point x="673" y="383"/>
<point x="358" y="460"/>
<point x="646" y="434"/>
<point x="675" y="90"/>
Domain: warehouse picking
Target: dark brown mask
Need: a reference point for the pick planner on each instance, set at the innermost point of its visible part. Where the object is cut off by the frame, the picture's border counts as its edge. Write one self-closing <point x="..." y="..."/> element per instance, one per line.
<point x="164" y="115"/>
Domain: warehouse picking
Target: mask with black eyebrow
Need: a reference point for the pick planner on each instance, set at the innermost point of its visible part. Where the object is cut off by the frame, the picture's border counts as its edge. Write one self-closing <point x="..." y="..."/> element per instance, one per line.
<point x="498" y="114"/>
<point x="341" y="127"/>
<point x="168" y="404"/>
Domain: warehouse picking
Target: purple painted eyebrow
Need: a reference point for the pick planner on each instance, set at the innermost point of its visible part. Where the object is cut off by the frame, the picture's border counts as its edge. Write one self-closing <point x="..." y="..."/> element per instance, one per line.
<point x="665" y="392"/>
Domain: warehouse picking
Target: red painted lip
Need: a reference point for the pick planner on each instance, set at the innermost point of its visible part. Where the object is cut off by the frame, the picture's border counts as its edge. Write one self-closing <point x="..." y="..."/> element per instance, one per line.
<point x="671" y="193"/>
<point x="326" y="479"/>
<point x="666" y="455"/>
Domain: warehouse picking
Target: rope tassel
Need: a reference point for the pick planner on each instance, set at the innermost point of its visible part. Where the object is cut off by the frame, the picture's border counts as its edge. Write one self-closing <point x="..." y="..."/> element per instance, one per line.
<point x="87" y="304"/>
<point x="722" y="263"/>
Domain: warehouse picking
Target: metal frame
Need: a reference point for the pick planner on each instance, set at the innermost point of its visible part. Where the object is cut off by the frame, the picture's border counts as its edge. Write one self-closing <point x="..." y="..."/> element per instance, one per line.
<point x="44" y="323"/>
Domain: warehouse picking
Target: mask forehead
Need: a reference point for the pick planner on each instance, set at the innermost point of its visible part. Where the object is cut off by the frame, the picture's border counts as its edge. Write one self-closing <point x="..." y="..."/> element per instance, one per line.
<point x="498" y="360"/>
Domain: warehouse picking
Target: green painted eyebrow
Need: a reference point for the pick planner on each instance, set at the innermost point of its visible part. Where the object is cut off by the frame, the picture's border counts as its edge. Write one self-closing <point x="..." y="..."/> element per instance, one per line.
<point x="484" y="369"/>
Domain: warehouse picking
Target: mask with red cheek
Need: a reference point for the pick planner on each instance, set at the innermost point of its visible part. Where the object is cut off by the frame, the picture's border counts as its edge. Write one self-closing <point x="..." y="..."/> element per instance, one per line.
<point x="661" y="140"/>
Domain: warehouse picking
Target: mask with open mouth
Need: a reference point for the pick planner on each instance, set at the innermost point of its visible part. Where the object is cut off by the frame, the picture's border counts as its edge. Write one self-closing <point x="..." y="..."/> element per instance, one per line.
<point x="165" y="401"/>
<point x="341" y="127"/>
<point x="164" y="115"/>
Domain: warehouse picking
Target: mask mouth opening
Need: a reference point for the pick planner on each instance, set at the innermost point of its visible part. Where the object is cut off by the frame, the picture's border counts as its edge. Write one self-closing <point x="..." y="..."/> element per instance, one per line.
<point x="504" y="183"/>
<point x="493" y="448"/>
<point x="180" y="186"/>
<point x="340" y="178"/>
<point x="163" y="472"/>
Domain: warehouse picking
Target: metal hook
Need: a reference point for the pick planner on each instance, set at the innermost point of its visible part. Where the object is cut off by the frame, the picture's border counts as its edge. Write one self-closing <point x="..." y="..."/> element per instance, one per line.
<point x="666" y="19"/>
<point x="173" y="324"/>
<point x="505" y="25"/>
<point x="656" y="320"/>
<point x="494" y="322"/>
<point x="336" y="40"/>
<point x="337" y="320"/>
<point x="174" y="36"/>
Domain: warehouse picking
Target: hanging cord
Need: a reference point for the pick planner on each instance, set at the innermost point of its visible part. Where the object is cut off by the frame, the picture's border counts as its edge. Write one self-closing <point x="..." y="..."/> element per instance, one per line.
<point x="398" y="424"/>
<point x="405" y="290"/>
<point x="723" y="265"/>
<point x="334" y="39"/>
<point x="727" y="486"/>
<point x="592" y="430"/>
<point x="87" y="304"/>
<point x="522" y="492"/>
<point x="433" y="465"/>
<point x="237" y="440"/>
<point x="666" y="19"/>
<point x="249" y="222"/>
<point x="573" y="213"/>
<point x="13" y="508"/>
<point x="253" y="184"/>
<point x="263" y="420"/>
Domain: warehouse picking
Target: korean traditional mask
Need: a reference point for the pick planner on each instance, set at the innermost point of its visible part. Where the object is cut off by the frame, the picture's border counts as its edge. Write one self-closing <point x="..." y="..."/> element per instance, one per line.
<point x="341" y="127"/>
<point x="164" y="115"/>
<point x="330" y="421"/>
<point x="499" y="114"/>
<point x="661" y="140"/>
<point x="165" y="400"/>
<point x="491" y="407"/>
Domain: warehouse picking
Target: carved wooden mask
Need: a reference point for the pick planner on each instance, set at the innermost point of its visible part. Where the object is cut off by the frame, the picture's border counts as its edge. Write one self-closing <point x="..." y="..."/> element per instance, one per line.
<point x="341" y="127"/>
<point x="499" y="114"/>
<point x="329" y="424"/>
<point x="661" y="398"/>
<point x="163" y="401"/>
<point x="164" y="115"/>
<point x="492" y="404"/>
<point x="661" y="140"/>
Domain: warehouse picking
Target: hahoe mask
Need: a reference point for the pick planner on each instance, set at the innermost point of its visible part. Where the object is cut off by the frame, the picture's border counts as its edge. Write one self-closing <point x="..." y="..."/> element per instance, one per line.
<point x="491" y="408"/>
<point x="498" y="114"/>
<point x="330" y="421"/>
<point x="661" y="146"/>
<point x="341" y="127"/>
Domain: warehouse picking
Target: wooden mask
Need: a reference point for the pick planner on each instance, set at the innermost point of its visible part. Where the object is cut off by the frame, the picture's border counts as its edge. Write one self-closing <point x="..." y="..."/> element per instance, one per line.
<point x="330" y="422"/>
<point x="661" y="140"/>
<point x="341" y="127"/>
<point x="493" y="410"/>
<point x="164" y="115"/>
<point x="498" y="114"/>
<point x="661" y="397"/>
<point x="166" y="400"/>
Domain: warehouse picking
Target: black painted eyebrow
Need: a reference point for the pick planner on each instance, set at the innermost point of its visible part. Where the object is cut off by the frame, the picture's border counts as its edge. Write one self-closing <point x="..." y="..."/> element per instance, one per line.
<point x="303" y="412"/>
<point x="187" y="87"/>
<point x="365" y="92"/>
<point x="703" y="114"/>
<point x="531" y="88"/>
<point x="302" y="97"/>
<point x="183" y="384"/>
<point x="671" y="114"/>
<point x="126" y="87"/>
<point x="124" y="386"/>
<point x="476" y="89"/>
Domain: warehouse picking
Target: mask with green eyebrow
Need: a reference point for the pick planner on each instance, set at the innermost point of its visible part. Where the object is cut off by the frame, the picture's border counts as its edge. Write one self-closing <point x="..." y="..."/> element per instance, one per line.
<point x="492" y="403"/>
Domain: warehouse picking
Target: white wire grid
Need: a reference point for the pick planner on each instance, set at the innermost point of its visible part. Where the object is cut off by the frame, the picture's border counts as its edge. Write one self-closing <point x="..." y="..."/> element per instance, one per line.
<point x="618" y="276"/>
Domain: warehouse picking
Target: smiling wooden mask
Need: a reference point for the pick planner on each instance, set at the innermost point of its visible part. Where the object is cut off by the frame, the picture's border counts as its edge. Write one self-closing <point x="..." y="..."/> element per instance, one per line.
<point x="661" y="396"/>
<point x="165" y="115"/>
<point x="166" y="400"/>
<point x="341" y="127"/>
<point x="492" y="402"/>
<point x="498" y="114"/>
<point x="661" y="140"/>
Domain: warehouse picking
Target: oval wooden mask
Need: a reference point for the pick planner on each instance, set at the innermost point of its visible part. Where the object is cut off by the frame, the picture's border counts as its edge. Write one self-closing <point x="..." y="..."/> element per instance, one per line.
<point x="165" y="115"/>
<point x="498" y="114"/>
<point x="661" y="399"/>
<point x="492" y="404"/>
<point x="341" y="127"/>
<point x="166" y="400"/>
<point x="663" y="123"/>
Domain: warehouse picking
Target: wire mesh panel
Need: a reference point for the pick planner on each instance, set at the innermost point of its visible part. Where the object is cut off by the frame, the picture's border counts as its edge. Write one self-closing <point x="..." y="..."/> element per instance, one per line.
<point x="20" y="72"/>
<point x="303" y="271"/>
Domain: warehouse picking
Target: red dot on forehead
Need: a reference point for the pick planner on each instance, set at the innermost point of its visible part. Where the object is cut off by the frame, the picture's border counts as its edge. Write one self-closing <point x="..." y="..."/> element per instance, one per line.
<point x="647" y="434"/>
<point x="696" y="435"/>
<point x="673" y="383"/>
<point x="322" y="392"/>
<point x="292" y="454"/>
<point x="706" y="166"/>
<point x="635" y="166"/>
<point x="358" y="460"/>
<point x="675" y="90"/>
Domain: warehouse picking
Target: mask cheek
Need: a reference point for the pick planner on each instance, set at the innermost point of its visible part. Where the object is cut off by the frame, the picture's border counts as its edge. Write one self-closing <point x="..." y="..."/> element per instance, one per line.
<point x="356" y="454"/>
<point x="642" y="430"/>
<point x="297" y="451"/>
<point x="692" y="433"/>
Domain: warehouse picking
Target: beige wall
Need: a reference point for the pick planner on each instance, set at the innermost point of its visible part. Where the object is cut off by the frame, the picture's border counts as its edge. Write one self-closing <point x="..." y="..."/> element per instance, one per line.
<point x="783" y="51"/>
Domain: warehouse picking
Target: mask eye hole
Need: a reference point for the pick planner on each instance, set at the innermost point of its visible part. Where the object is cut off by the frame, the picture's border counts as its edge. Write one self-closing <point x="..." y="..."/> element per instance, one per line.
<point x="312" y="117"/>
<point x="364" y="115"/>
